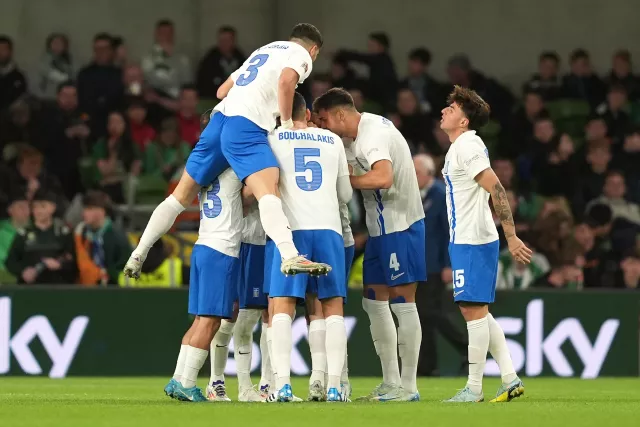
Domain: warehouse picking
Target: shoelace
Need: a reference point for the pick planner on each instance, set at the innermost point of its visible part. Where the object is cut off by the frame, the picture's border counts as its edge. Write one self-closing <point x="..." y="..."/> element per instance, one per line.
<point x="220" y="391"/>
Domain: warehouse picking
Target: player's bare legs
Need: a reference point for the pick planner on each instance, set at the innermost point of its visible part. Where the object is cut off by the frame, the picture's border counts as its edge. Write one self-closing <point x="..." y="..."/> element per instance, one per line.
<point x="283" y="309"/>
<point x="336" y="346"/>
<point x="264" y="186"/>
<point x="161" y="221"/>
<point x="317" y="347"/>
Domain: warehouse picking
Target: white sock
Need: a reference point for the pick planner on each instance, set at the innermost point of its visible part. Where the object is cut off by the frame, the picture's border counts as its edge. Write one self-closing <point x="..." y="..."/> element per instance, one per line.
<point x="274" y="372"/>
<point x="385" y="338"/>
<point x="317" y="339"/>
<point x="282" y="344"/>
<point x="192" y="365"/>
<point x="344" y="378"/>
<point x="499" y="351"/>
<point x="478" y="346"/>
<point x="265" y="372"/>
<point x="276" y="225"/>
<point x="409" y="340"/>
<point x="182" y="356"/>
<point x="243" y="343"/>
<point x="336" y="349"/>
<point x="162" y="219"/>
<point x="220" y="351"/>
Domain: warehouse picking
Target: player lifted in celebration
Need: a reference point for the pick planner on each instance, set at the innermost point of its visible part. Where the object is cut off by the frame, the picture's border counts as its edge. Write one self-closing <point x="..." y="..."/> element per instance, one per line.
<point x="395" y="252"/>
<point x="215" y="271"/>
<point x="253" y="96"/>
<point x="474" y="245"/>
<point x="314" y="181"/>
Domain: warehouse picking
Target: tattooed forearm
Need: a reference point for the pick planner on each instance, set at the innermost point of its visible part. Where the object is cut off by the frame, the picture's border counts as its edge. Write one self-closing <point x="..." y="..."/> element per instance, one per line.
<point x="503" y="210"/>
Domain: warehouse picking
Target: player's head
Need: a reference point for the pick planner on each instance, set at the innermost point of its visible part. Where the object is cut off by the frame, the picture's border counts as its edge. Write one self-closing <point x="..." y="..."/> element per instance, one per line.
<point x="309" y="37"/>
<point x="466" y="111"/>
<point x="299" y="111"/>
<point x="333" y="109"/>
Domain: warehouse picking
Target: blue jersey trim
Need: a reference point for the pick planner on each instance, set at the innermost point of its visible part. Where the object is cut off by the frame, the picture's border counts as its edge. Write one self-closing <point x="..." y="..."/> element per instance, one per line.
<point x="380" y="208"/>
<point x="453" y="209"/>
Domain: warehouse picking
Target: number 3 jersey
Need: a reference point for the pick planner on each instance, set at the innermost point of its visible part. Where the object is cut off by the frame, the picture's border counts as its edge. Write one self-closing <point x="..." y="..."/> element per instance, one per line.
<point x="220" y="213"/>
<point x="311" y="160"/>
<point x="396" y="208"/>
<point x="254" y="94"/>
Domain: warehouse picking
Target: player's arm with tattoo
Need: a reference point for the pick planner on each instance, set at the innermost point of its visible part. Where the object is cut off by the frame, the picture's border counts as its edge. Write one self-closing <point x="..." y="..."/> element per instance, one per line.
<point x="488" y="180"/>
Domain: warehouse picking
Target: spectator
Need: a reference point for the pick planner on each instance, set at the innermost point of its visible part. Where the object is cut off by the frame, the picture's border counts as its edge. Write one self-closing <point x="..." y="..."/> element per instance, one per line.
<point x="563" y="275"/>
<point x="544" y="134"/>
<point x="613" y="196"/>
<point x="622" y="74"/>
<point x="66" y="131"/>
<point x="56" y="67"/>
<point x="121" y="55"/>
<point x="546" y="81"/>
<point x="100" y="88"/>
<point x="133" y="81"/>
<point x="31" y="176"/>
<point x="505" y="171"/>
<point x="429" y="295"/>
<point x="410" y="121"/>
<point x="521" y="126"/>
<point x="165" y="69"/>
<point x="188" y="118"/>
<point x="630" y="272"/>
<point x="141" y="132"/>
<point x="383" y="80"/>
<point x="517" y="276"/>
<point x="19" y="126"/>
<point x="102" y="248"/>
<point x="320" y="83"/>
<point x="431" y="94"/>
<point x="629" y="161"/>
<point x="12" y="81"/>
<point x="612" y="112"/>
<point x="521" y="224"/>
<point x="19" y="216"/>
<point x="554" y="168"/>
<point x="461" y="73"/>
<point x="582" y="82"/>
<point x="169" y="153"/>
<point x="599" y="262"/>
<point x="358" y="99"/>
<point x="115" y="156"/>
<point x="43" y="252"/>
<point x="218" y="64"/>
<point x="343" y="76"/>
<point x="550" y="233"/>
<point x="591" y="178"/>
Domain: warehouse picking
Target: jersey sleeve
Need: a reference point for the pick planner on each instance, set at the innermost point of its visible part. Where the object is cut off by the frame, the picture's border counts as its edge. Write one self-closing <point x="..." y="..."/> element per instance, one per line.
<point x="474" y="158"/>
<point x="299" y="61"/>
<point x="375" y="147"/>
<point x="343" y="166"/>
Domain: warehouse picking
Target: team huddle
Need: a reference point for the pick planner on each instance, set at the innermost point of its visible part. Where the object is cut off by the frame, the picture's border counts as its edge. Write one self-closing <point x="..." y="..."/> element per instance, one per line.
<point x="268" y="195"/>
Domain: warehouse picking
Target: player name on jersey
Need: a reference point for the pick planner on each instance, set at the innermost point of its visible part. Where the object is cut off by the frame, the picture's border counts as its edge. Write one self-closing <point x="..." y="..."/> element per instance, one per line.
<point x="305" y="136"/>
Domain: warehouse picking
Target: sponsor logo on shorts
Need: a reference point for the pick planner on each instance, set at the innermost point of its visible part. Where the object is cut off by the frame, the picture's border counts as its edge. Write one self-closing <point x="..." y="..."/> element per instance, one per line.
<point x="395" y="276"/>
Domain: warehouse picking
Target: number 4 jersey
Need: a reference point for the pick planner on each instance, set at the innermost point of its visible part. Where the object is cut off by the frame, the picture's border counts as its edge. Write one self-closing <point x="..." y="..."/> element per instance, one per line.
<point x="254" y="94"/>
<point x="221" y="213"/>
<point x="311" y="161"/>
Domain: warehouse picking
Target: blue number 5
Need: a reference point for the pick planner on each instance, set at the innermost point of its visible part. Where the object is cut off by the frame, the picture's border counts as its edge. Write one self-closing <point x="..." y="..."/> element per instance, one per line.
<point x="255" y="63"/>
<point x="303" y="166"/>
<point x="210" y="203"/>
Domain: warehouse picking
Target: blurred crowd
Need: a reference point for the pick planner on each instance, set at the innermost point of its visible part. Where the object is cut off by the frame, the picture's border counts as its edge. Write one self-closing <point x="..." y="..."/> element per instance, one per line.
<point x="79" y="140"/>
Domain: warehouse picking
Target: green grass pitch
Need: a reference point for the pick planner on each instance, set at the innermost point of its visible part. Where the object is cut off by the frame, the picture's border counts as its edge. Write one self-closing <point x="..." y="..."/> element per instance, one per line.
<point x="141" y="402"/>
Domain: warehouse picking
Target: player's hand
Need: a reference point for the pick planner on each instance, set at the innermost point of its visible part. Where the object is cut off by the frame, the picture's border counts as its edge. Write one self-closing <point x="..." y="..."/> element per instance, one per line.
<point x="446" y="275"/>
<point x="519" y="251"/>
<point x="52" y="264"/>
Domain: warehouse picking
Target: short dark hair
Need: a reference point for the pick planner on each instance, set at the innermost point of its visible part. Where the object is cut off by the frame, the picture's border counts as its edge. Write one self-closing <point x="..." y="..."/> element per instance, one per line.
<point x="420" y="54"/>
<point x="472" y="105"/>
<point x="164" y="23"/>
<point x="227" y="29"/>
<point x="299" y="107"/>
<point x="308" y="33"/>
<point x="63" y="85"/>
<point x="598" y="215"/>
<point x="188" y="86"/>
<point x="549" y="54"/>
<point x="382" y="38"/>
<point x="96" y="199"/>
<point x="617" y="87"/>
<point x="103" y="37"/>
<point x="4" y="39"/>
<point x="578" y="54"/>
<point x="335" y="97"/>
<point x="205" y="118"/>
<point x="321" y="77"/>
<point x="623" y="54"/>
<point x="615" y="172"/>
<point x="117" y="41"/>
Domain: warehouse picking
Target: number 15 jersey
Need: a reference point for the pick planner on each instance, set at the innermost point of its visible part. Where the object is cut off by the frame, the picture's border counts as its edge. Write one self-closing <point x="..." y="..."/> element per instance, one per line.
<point x="311" y="160"/>
<point x="221" y="213"/>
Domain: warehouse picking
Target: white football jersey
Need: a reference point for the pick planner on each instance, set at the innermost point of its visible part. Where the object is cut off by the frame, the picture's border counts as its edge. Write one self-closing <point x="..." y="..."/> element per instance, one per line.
<point x="396" y="208"/>
<point x="470" y="219"/>
<point x="254" y="94"/>
<point x="347" y="235"/>
<point x="311" y="160"/>
<point x="220" y="213"/>
<point x="252" y="231"/>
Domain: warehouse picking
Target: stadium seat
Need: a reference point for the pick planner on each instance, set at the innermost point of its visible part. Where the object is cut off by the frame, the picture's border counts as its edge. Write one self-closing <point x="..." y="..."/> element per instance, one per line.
<point x="150" y="189"/>
<point x="569" y="115"/>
